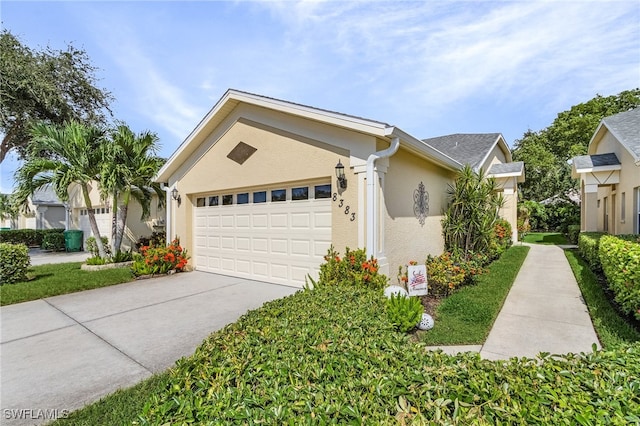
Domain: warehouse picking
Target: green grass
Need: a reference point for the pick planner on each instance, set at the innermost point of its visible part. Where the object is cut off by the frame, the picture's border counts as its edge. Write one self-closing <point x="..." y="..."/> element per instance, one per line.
<point x="610" y="327"/>
<point x="466" y="317"/>
<point x="60" y="278"/>
<point x="120" y="408"/>
<point x="545" y="238"/>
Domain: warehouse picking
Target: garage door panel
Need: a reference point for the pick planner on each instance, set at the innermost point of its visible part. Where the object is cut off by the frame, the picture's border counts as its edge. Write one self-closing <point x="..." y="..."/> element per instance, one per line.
<point x="300" y="247"/>
<point x="260" y="245"/>
<point x="243" y="244"/>
<point x="279" y="220"/>
<point x="279" y="246"/>
<point x="279" y="242"/>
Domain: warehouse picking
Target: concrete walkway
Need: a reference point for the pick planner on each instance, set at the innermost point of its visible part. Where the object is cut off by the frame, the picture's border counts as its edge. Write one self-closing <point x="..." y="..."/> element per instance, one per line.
<point x="544" y="312"/>
<point x="61" y="353"/>
<point x="41" y="257"/>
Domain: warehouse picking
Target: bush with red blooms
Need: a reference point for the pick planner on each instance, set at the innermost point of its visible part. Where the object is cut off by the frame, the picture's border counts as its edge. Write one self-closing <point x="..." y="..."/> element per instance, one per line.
<point x="160" y="260"/>
<point x="352" y="269"/>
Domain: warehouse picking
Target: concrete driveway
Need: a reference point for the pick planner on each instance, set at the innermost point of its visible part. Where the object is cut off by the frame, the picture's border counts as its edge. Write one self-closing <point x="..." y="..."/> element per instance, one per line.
<point x="61" y="353"/>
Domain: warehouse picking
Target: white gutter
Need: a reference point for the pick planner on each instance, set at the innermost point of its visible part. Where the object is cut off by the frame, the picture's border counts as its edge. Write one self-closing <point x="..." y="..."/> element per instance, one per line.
<point x="169" y="206"/>
<point x="372" y="195"/>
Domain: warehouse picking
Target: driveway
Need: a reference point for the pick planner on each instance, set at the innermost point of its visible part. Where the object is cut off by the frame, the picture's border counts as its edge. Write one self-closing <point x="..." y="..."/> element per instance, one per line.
<point x="40" y="257"/>
<point x="61" y="353"/>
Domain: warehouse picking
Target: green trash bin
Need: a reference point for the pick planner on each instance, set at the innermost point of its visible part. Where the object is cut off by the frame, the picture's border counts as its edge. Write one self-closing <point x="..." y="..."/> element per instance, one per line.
<point x="73" y="240"/>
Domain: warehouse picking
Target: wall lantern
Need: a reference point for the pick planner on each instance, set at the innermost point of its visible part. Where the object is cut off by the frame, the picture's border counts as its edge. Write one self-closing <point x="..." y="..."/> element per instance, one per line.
<point x="175" y="195"/>
<point x="342" y="181"/>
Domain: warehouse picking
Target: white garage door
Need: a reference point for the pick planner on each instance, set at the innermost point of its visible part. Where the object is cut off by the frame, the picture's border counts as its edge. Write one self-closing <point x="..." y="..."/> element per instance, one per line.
<point x="103" y="220"/>
<point x="276" y="235"/>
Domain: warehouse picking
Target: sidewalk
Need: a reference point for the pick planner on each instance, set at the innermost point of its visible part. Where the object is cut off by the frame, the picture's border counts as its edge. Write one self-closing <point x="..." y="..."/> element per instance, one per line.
<point x="543" y="312"/>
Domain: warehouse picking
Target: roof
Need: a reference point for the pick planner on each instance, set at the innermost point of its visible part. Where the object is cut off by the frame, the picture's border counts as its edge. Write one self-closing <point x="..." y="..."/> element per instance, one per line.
<point x="471" y="149"/>
<point x="586" y="163"/>
<point x="232" y="98"/>
<point x="625" y="126"/>
<point x="516" y="167"/>
<point x="45" y="196"/>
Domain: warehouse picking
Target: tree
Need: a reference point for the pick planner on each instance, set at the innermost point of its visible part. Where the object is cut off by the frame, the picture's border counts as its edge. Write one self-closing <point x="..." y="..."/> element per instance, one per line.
<point x="60" y="156"/>
<point x="8" y="207"/>
<point x="474" y="206"/>
<point x="546" y="152"/>
<point x="129" y="165"/>
<point x="50" y="86"/>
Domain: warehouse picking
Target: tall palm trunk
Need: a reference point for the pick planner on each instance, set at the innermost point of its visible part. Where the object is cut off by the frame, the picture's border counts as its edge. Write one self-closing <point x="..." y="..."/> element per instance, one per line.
<point x="92" y="221"/>
<point x="121" y="219"/>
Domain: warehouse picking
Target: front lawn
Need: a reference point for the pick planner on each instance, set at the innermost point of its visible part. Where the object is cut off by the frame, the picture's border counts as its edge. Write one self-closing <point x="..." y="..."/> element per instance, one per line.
<point x="466" y="317"/>
<point x="60" y="278"/>
<point x="550" y="238"/>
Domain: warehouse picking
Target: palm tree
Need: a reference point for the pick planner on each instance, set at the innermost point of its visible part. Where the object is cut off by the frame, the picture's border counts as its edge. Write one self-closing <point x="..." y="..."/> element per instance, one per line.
<point x="129" y="167"/>
<point x="8" y="208"/>
<point x="60" y="156"/>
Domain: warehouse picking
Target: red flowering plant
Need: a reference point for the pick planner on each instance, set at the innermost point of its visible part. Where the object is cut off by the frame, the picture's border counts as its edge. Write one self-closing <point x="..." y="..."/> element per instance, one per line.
<point x="352" y="269"/>
<point x="154" y="260"/>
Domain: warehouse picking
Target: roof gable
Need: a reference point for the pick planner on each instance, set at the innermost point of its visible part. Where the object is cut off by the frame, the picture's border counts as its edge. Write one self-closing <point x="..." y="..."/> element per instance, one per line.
<point x="625" y="127"/>
<point x="471" y="149"/>
<point x="232" y="98"/>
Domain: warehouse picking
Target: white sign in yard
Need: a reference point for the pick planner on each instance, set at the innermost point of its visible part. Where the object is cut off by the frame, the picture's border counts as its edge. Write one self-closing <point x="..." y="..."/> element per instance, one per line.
<point x="417" y="280"/>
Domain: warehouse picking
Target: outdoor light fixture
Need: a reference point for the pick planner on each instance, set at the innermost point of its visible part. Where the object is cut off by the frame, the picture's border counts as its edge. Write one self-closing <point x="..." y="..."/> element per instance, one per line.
<point x="175" y="195"/>
<point x="342" y="181"/>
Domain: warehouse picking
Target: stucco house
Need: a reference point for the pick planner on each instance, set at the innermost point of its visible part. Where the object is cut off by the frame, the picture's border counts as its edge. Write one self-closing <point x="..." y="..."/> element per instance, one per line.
<point x="610" y="176"/>
<point x="43" y="210"/>
<point x="136" y="228"/>
<point x="262" y="187"/>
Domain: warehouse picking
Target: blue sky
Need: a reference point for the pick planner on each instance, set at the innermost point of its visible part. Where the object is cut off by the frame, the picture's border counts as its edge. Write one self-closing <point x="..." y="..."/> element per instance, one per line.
<point x="429" y="67"/>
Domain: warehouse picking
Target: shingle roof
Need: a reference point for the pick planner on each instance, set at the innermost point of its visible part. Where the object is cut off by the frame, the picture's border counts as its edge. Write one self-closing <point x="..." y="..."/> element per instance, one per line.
<point x="506" y="168"/>
<point x="45" y="195"/>
<point x="465" y="148"/>
<point x="626" y="128"/>
<point x="598" y="160"/>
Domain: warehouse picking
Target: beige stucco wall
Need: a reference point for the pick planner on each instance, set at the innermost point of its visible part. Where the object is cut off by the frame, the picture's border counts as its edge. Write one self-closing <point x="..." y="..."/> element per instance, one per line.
<point x="405" y="238"/>
<point x="629" y="182"/>
<point x="297" y="150"/>
<point x="135" y="227"/>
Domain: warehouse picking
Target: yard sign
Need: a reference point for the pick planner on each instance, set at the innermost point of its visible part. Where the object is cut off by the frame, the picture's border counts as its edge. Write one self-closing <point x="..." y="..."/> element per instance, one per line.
<point x="417" y="280"/>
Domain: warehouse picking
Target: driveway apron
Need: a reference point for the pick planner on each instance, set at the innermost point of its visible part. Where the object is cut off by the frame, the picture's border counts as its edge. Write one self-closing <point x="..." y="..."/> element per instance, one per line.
<point x="61" y="353"/>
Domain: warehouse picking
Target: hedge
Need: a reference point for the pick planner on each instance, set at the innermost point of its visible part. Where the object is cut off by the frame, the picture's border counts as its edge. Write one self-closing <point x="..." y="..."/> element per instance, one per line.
<point x="588" y="248"/>
<point x="29" y="237"/>
<point x="620" y="259"/>
<point x="14" y="261"/>
<point x="573" y="233"/>
<point x="329" y="356"/>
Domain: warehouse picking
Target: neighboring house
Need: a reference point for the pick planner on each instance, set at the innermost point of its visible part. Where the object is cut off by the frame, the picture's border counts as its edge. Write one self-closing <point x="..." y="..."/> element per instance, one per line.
<point x="610" y="176"/>
<point x="253" y="190"/>
<point x="136" y="228"/>
<point x="44" y="210"/>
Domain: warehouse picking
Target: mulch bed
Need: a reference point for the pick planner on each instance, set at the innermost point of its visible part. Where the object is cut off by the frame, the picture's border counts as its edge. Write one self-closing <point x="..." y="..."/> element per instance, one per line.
<point x="630" y="319"/>
<point x="431" y="304"/>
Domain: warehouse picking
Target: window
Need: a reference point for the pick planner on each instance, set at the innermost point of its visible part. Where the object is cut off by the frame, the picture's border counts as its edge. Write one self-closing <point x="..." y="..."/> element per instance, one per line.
<point x="243" y="198"/>
<point x="227" y="200"/>
<point x="200" y="202"/>
<point x="301" y="193"/>
<point x="322" y="191"/>
<point x="623" y="207"/>
<point x="278" y="195"/>
<point x="260" y="197"/>
<point x="102" y="210"/>
<point x="214" y="200"/>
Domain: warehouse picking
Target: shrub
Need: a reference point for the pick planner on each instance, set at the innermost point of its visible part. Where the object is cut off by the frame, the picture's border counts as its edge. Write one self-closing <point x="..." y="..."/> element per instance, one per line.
<point x="28" y="237"/>
<point x="92" y="247"/>
<point x="501" y="239"/>
<point x="14" y="262"/>
<point x="157" y="239"/>
<point x="588" y="247"/>
<point x="573" y="233"/>
<point x="53" y="241"/>
<point x="404" y="312"/>
<point x="444" y="275"/>
<point x="122" y="256"/>
<point x="159" y="260"/>
<point x="329" y="357"/>
<point x="620" y="261"/>
<point x="96" y="260"/>
<point x="352" y="269"/>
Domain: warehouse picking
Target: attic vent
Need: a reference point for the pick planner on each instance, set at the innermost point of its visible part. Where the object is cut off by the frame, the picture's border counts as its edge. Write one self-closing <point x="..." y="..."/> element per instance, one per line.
<point x="241" y="152"/>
